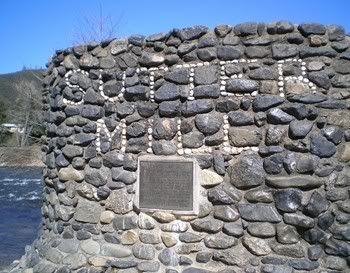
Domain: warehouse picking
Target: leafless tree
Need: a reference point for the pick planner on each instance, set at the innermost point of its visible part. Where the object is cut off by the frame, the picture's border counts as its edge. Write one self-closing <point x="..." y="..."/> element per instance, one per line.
<point x="96" y="28"/>
<point x="27" y="112"/>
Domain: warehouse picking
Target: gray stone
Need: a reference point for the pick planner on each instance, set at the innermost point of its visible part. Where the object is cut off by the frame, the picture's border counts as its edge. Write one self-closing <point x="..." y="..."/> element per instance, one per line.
<point x="303" y="264"/>
<point x="44" y="267"/>
<point x="168" y="91"/>
<point x="168" y="257"/>
<point x="256" y="246"/>
<point x="206" y="91"/>
<point x="227" y="105"/>
<point x="277" y="116"/>
<point x="148" y="266"/>
<point x="145" y="222"/>
<point x="275" y="135"/>
<point x="210" y="178"/>
<point x="276" y="269"/>
<point x="135" y="93"/>
<point x="186" y="48"/>
<point x="263" y="103"/>
<point x="97" y="177"/>
<point x="281" y="51"/>
<point x="207" y="224"/>
<point x="177" y="226"/>
<point x="246" y="29"/>
<point x="219" y="241"/>
<point x="207" y="54"/>
<point x="119" y="201"/>
<point x="259" y="213"/>
<point x="164" y="129"/>
<point x="71" y="151"/>
<point x="259" y="196"/>
<point x="264" y="73"/>
<point x="240" y="118"/>
<point x="192" y="140"/>
<point x="53" y="255"/>
<point x="306" y="51"/>
<point x="116" y="251"/>
<point x="314" y="252"/>
<point x="88" y="211"/>
<point x="208" y="40"/>
<point x="178" y="76"/>
<point x="299" y="128"/>
<point x="233" y="229"/>
<point x="208" y="124"/>
<point x="321" y="79"/>
<point x="241" y="86"/>
<point x="317" y="204"/>
<point x="163" y="147"/>
<point x="124" y="222"/>
<point x="113" y="159"/>
<point x="200" y="106"/>
<point x="92" y="112"/>
<point x="222" y="30"/>
<point x="335" y="263"/>
<point x="229" y="52"/>
<point x="169" y="108"/>
<point x="88" y="61"/>
<point x="247" y="171"/>
<point x="257" y="52"/>
<point x="333" y="133"/>
<point x="292" y="250"/>
<point x="69" y="173"/>
<point x="225" y="213"/>
<point x="145" y="109"/>
<point x="312" y="28"/>
<point x="123" y="264"/>
<point x="143" y="251"/>
<point x="90" y="247"/>
<point x="68" y="246"/>
<point x="274" y="163"/>
<point x="223" y="195"/>
<point x="136" y="129"/>
<point x="245" y="136"/>
<point x="192" y="32"/>
<point x="321" y="147"/>
<point x="189" y="237"/>
<point x="123" y="176"/>
<point x="338" y="248"/>
<point x="287" y="234"/>
<point x="261" y="230"/>
<point x="280" y="27"/>
<point x="296" y="181"/>
<point x="205" y="75"/>
<point x="288" y="200"/>
<point x="298" y="220"/>
<point x="238" y="257"/>
<point x="150" y="59"/>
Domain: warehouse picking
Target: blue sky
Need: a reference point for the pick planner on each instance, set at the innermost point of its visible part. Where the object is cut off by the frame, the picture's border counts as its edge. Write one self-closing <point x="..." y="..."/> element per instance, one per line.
<point x="32" y="30"/>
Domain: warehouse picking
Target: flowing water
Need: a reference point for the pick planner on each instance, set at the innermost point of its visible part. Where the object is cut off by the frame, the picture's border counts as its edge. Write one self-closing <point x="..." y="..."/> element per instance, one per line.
<point x="20" y="215"/>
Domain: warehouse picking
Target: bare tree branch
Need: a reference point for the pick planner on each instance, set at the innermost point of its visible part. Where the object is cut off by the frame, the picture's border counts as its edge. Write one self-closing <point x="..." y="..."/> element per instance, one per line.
<point x="96" y="28"/>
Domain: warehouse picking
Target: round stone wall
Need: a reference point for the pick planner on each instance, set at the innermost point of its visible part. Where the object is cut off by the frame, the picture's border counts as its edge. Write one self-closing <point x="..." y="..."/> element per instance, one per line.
<point x="261" y="108"/>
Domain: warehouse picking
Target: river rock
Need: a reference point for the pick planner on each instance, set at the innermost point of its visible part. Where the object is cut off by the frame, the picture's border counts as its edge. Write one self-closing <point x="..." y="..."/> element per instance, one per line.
<point x="259" y="213"/>
<point x="247" y="171"/>
<point x="256" y="246"/>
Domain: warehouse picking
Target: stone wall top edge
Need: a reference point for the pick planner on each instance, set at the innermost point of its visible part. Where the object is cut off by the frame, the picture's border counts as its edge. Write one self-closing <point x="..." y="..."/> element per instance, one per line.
<point x="277" y="28"/>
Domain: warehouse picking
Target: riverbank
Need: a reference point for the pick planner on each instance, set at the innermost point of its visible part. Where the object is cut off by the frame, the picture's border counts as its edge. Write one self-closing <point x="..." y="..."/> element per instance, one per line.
<point x="21" y="156"/>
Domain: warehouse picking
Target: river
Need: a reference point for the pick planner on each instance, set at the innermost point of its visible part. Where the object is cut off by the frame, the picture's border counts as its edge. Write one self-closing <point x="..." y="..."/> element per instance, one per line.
<point x="20" y="214"/>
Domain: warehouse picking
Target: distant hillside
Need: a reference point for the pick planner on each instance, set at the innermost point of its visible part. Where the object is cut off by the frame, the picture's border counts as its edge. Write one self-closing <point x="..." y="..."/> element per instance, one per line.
<point x="8" y="92"/>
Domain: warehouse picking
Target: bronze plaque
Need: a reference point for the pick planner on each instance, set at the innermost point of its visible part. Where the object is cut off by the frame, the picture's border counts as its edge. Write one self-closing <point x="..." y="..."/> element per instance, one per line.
<point x="166" y="185"/>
